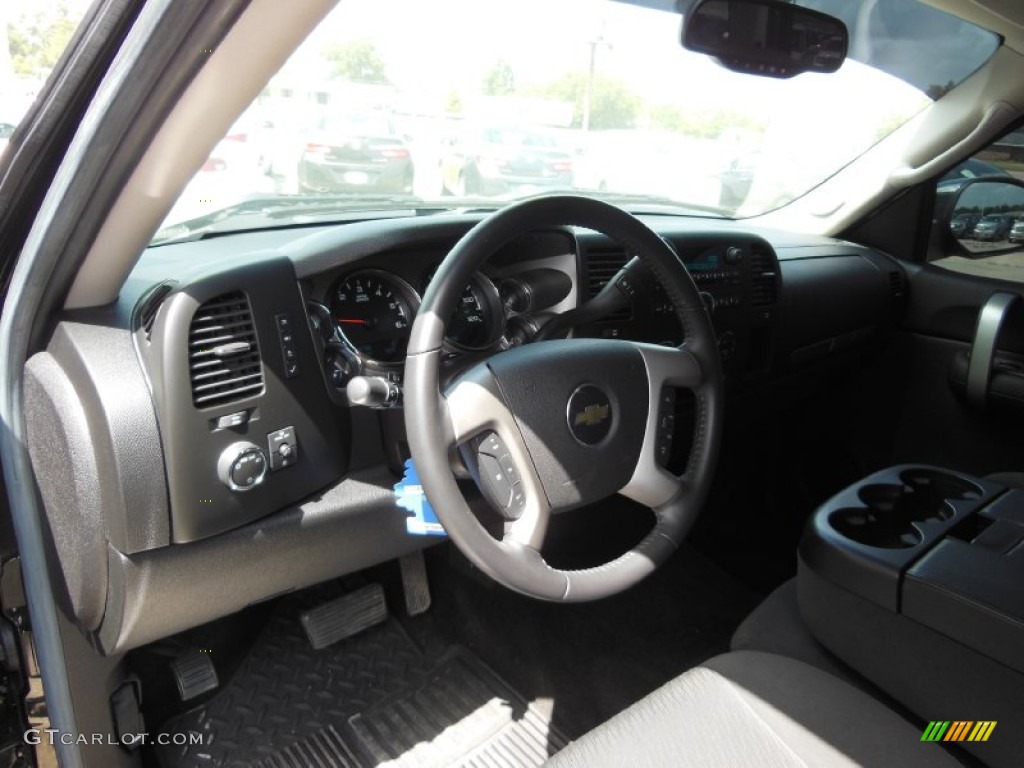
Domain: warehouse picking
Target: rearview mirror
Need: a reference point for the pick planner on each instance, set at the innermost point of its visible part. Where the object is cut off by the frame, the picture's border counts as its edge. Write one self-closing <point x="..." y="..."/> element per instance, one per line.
<point x="765" y="37"/>
<point x="987" y="218"/>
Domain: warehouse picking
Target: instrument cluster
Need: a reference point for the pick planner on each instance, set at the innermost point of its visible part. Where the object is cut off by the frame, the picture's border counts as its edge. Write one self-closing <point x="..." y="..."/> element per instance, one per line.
<point x="365" y="317"/>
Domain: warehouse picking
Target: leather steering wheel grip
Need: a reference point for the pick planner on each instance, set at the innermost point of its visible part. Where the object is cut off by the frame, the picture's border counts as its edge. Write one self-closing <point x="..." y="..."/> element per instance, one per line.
<point x="431" y="436"/>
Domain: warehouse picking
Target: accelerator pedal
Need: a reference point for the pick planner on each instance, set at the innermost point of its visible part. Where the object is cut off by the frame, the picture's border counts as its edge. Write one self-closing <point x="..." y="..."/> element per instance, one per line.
<point x="195" y="674"/>
<point x="348" y="615"/>
<point x="414" y="583"/>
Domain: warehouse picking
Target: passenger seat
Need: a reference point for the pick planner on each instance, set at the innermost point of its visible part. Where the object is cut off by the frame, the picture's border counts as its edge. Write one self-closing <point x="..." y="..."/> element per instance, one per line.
<point x="756" y="709"/>
<point x="779" y="698"/>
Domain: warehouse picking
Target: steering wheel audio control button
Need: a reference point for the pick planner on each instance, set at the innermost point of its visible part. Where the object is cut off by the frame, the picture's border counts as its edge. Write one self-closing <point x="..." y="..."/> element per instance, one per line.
<point x="509" y="468"/>
<point x="666" y="426"/>
<point x="492" y="445"/>
<point x="495" y="482"/>
<point x="518" y="501"/>
<point x="499" y="476"/>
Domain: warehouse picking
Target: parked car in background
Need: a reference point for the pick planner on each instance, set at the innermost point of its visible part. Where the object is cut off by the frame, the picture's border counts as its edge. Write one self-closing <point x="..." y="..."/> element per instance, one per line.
<point x="496" y="160"/>
<point x="1017" y="231"/>
<point x="345" y="152"/>
<point x="963" y="225"/>
<point x="993" y="228"/>
<point x="648" y="162"/>
<point x="736" y="179"/>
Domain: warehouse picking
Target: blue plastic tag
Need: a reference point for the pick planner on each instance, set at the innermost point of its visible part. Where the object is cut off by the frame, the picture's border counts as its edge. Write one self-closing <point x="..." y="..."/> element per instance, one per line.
<point x="409" y="495"/>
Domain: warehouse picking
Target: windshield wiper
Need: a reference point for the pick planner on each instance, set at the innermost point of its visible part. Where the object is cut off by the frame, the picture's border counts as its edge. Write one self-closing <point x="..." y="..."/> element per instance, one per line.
<point x="268" y="211"/>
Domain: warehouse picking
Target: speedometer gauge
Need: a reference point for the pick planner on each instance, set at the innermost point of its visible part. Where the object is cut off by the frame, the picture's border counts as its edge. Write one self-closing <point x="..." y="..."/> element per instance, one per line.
<point x="477" y="321"/>
<point x="472" y="323"/>
<point x="374" y="311"/>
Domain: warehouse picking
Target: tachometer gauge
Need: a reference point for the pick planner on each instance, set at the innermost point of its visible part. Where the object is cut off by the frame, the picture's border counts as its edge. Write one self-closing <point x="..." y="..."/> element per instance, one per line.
<point x="374" y="311"/>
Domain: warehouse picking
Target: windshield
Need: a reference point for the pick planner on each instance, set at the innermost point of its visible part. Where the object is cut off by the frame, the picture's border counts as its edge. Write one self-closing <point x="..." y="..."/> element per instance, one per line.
<point x="473" y="103"/>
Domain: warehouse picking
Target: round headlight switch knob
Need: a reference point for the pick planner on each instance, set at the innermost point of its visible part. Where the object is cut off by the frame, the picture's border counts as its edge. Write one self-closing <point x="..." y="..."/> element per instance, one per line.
<point x="242" y="466"/>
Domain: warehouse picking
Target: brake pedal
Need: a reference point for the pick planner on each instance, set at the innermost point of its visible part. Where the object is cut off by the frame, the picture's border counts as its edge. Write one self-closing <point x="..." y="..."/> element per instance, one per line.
<point x="348" y="615"/>
<point x="414" y="583"/>
<point x="195" y="674"/>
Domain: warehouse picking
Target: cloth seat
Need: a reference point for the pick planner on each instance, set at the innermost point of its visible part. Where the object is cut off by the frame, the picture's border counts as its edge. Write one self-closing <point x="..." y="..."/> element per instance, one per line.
<point x="776" y="626"/>
<point x="750" y="708"/>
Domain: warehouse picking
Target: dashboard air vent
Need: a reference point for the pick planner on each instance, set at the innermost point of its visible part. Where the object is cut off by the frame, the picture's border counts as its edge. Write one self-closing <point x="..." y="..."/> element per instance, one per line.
<point x="603" y="262"/>
<point x="897" y="284"/>
<point x="223" y="353"/>
<point x="765" y="283"/>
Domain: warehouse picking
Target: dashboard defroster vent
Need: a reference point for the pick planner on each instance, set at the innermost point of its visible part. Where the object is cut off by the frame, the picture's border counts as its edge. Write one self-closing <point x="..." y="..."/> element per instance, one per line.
<point x="223" y="352"/>
<point x="765" y="284"/>
<point x="603" y="262"/>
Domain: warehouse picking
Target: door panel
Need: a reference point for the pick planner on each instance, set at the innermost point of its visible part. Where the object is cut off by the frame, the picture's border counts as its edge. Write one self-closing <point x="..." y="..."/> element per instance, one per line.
<point x="937" y="424"/>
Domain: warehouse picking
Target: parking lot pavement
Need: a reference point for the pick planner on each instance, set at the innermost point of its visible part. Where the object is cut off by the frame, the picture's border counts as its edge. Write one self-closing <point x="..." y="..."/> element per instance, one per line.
<point x="1007" y="265"/>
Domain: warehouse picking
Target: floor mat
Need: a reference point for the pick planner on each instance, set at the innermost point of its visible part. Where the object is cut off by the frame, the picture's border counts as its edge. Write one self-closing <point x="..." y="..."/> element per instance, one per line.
<point x="376" y="698"/>
<point x="462" y="703"/>
<point x="587" y="661"/>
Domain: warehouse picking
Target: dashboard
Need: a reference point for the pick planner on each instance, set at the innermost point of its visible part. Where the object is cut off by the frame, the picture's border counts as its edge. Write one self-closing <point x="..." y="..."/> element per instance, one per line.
<point x="223" y="462"/>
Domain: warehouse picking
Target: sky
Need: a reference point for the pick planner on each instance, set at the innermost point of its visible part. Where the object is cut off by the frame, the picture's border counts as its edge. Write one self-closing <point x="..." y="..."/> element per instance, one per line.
<point x="451" y="43"/>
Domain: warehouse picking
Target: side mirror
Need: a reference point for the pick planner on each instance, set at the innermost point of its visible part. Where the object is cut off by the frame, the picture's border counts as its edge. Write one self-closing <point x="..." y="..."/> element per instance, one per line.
<point x="765" y="37"/>
<point x="987" y="217"/>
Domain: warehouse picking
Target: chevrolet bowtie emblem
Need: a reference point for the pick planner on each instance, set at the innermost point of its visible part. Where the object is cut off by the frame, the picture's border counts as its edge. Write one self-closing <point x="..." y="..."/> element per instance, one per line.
<point x="591" y="415"/>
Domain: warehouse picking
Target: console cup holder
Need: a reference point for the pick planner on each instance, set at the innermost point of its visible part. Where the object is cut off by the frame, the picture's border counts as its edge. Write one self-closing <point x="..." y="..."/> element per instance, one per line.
<point x="940" y="485"/>
<point x="891" y="512"/>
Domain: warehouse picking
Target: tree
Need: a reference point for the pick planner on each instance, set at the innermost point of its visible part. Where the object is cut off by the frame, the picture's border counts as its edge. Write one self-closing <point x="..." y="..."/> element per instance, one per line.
<point x="36" y="39"/>
<point x="700" y="124"/>
<point x="500" y="80"/>
<point x="357" y="61"/>
<point x="612" y="103"/>
<point x="667" y="117"/>
<point x="453" y="103"/>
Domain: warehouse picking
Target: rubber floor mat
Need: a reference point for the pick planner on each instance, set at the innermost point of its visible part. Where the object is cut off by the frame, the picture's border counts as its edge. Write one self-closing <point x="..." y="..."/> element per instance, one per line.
<point x="372" y="699"/>
<point x="463" y="715"/>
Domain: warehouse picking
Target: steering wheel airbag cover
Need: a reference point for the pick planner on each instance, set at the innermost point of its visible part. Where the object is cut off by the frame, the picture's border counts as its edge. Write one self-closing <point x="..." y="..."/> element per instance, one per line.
<point x="538" y="381"/>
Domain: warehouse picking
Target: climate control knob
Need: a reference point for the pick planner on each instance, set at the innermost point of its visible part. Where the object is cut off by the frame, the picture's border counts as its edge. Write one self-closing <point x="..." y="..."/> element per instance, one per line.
<point x="242" y="466"/>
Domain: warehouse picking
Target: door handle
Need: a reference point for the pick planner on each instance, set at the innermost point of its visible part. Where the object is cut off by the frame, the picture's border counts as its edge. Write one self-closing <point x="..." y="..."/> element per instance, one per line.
<point x="983" y="348"/>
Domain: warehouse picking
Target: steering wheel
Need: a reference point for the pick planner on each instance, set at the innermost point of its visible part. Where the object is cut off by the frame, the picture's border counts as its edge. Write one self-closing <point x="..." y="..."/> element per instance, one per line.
<point x="564" y="422"/>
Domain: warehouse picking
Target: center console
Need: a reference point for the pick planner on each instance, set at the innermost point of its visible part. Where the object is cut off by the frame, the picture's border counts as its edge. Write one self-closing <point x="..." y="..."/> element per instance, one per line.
<point x="915" y="578"/>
